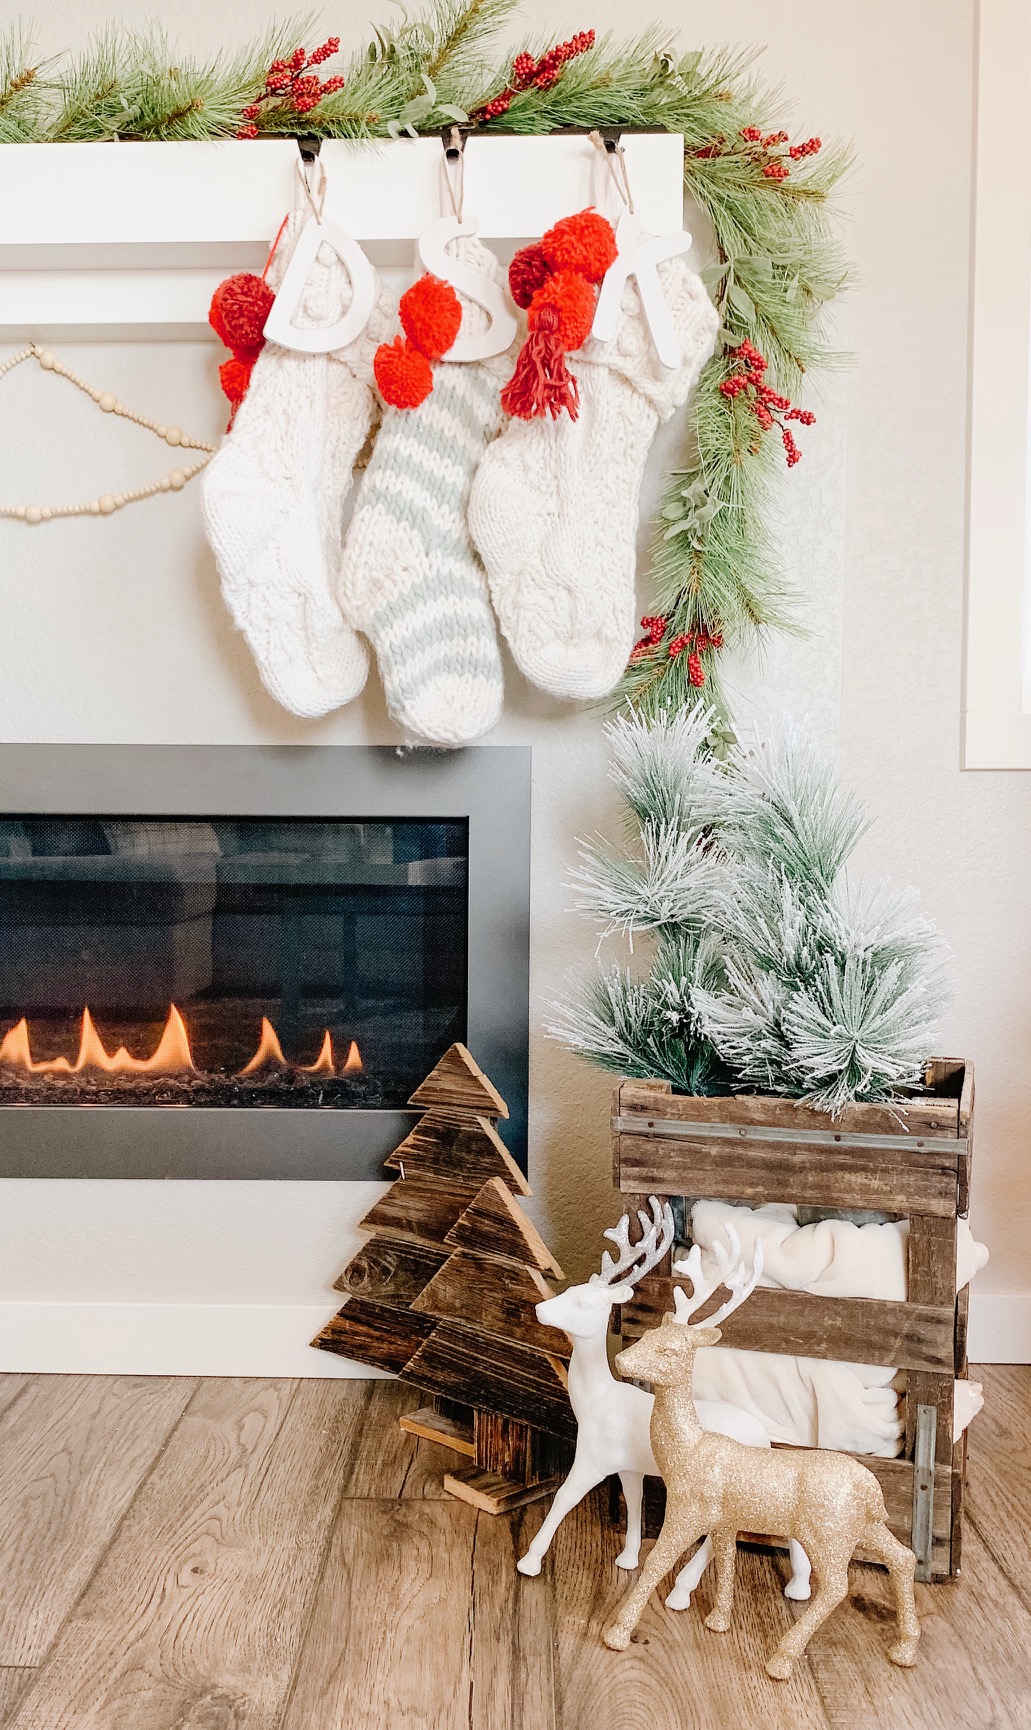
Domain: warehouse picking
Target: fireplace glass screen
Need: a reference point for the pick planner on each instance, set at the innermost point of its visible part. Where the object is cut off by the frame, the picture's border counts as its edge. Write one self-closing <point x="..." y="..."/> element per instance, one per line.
<point x="315" y="963"/>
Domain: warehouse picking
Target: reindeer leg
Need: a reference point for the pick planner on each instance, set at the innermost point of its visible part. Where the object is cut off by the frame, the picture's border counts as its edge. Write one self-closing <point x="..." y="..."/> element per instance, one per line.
<point x="633" y="1495"/>
<point x="725" y="1543"/>
<point x="581" y="1479"/>
<point x="679" y="1529"/>
<point x="798" y="1587"/>
<point x="689" y="1576"/>
<point x="831" y="1588"/>
<point x="900" y="1564"/>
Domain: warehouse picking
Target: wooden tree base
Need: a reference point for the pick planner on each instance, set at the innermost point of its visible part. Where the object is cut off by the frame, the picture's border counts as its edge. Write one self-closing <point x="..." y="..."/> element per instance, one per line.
<point x="492" y="1494"/>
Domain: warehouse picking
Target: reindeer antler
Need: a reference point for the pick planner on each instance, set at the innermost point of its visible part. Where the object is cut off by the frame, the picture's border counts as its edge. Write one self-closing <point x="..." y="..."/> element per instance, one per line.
<point x="730" y="1272"/>
<point x="637" y="1259"/>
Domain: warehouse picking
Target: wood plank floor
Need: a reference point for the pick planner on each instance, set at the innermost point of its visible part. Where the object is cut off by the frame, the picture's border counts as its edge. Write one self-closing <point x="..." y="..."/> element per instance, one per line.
<point x="260" y="1555"/>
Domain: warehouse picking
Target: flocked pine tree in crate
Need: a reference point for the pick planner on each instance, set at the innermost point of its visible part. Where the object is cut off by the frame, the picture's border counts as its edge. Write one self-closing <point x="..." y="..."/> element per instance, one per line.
<point x="444" y="1294"/>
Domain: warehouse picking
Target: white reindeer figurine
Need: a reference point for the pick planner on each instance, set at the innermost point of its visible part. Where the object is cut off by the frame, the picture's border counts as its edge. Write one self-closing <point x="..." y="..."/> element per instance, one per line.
<point x="613" y="1418"/>
<point x="828" y="1501"/>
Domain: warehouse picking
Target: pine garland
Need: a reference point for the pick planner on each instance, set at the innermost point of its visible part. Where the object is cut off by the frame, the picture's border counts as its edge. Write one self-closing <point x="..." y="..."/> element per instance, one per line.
<point x="715" y="570"/>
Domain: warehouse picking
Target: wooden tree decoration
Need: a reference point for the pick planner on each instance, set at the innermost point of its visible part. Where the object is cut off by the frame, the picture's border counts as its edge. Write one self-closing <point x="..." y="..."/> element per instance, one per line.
<point x="444" y="1291"/>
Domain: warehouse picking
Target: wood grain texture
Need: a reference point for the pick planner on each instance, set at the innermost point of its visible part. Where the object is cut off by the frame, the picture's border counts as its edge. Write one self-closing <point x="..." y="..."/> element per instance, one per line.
<point x="480" y="1370"/>
<point x="383" y="1335"/>
<point x="899" y="1181"/>
<point x="388" y="1643"/>
<point x="919" y="1117"/>
<point x="194" y="1616"/>
<point x="424" y="1208"/>
<point x="514" y="1685"/>
<point x="494" y="1224"/>
<point x="13" y="1682"/>
<point x="73" y="1453"/>
<point x="851" y="1330"/>
<point x="432" y="1426"/>
<point x="389" y="1271"/>
<point x="12" y="1387"/>
<point x="266" y="1577"/>
<point x="458" y="1082"/>
<point x="500" y="1299"/>
<point x="443" y="1145"/>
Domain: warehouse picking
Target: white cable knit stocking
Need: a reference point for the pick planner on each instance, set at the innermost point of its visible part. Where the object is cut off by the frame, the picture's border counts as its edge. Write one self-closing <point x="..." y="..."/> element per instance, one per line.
<point x="273" y="496"/>
<point x="410" y="576"/>
<point x="554" y="506"/>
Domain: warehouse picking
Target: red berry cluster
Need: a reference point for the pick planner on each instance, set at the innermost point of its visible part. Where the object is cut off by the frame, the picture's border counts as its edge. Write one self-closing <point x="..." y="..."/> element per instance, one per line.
<point x="696" y="642"/>
<point x="762" y="150"/>
<point x="531" y="74"/>
<point x="655" y="630"/>
<point x="769" y="408"/>
<point x="294" y="85"/>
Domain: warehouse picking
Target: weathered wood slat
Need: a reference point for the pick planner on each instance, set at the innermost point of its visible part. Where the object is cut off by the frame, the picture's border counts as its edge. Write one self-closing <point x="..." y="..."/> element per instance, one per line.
<point x="921" y="1116"/>
<point x="494" y="1375"/>
<point x="494" y="1224"/>
<point x="931" y="1256"/>
<point x="458" y="1082"/>
<point x="447" y="1145"/>
<point x="499" y="1300"/>
<point x="372" y="1333"/>
<point x="851" y="1330"/>
<point x="424" y="1208"/>
<point x="894" y="1181"/>
<point x="432" y="1426"/>
<point x="492" y="1494"/>
<point x="390" y="1271"/>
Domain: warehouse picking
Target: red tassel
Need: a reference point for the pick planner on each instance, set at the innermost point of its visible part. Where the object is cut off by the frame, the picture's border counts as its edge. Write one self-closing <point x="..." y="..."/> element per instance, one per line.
<point x="542" y="382"/>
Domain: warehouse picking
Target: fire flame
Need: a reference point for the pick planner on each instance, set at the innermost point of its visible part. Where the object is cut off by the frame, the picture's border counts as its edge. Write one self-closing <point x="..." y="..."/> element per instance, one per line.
<point x="171" y="1056"/>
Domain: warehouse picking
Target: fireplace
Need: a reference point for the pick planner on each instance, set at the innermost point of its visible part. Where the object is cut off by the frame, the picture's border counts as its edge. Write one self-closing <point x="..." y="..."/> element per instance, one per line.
<point x="240" y="962"/>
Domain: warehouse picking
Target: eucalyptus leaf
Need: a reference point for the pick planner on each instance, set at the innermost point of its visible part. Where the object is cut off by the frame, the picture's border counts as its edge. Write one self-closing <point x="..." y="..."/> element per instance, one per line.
<point x="741" y="303"/>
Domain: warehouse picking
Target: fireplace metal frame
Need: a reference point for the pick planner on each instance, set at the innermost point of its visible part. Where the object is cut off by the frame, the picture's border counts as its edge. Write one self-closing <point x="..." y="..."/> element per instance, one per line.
<point x="488" y="785"/>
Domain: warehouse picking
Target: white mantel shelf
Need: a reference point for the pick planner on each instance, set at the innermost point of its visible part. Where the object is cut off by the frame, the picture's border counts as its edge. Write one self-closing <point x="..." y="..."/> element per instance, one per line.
<point x="128" y="241"/>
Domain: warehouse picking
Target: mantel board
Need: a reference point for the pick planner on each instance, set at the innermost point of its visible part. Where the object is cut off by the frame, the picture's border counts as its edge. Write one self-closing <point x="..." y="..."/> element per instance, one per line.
<point x="127" y="241"/>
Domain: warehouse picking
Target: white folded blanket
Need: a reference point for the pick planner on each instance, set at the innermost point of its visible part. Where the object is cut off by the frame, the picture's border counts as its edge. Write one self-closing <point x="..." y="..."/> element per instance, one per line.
<point x="812" y="1402"/>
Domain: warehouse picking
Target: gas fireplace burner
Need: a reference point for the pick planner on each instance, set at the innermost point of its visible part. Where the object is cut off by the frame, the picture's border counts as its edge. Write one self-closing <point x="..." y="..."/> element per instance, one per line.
<point x="170" y="1076"/>
<point x="236" y="962"/>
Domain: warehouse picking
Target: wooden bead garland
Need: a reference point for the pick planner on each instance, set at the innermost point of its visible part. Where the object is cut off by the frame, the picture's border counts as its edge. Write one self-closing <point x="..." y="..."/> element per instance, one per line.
<point x="108" y="403"/>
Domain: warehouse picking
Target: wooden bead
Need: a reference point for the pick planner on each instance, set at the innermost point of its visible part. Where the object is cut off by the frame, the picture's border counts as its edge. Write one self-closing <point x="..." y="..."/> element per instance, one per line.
<point x="46" y="359"/>
<point x="176" y="480"/>
<point x="106" y="504"/>
<point x="33" y="514"/>
<point x="106" y="400"/>
<point x="173" y="435"/>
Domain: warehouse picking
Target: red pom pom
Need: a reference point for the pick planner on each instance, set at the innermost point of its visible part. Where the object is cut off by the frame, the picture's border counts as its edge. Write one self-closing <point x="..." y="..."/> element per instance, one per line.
<point x="239" y="308"/>
<point x="528" y="271"/>
<point x="569" y="300"/>
<point x="404" y="376"/>
<point x="234" y="376"/>
<point x="430" y="315"/>
<point x="585" y="243"/>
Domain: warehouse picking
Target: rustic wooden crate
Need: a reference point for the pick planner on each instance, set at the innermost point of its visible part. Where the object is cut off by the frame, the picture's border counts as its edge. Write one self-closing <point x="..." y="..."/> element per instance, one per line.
<point x="911" y="1159"/>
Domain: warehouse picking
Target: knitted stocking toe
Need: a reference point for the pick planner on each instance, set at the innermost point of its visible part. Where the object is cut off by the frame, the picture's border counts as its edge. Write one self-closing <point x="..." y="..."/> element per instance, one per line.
<point x="554" y="506"/>
<point x="273" y="495"/>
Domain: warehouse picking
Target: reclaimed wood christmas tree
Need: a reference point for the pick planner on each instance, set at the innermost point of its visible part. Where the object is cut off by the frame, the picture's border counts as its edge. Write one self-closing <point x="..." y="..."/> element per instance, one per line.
<point x="443" y="1294"/>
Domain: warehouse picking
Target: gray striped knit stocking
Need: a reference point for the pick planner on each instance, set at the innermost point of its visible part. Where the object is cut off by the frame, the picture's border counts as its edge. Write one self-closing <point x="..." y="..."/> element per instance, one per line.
<point x="410" y="577"/>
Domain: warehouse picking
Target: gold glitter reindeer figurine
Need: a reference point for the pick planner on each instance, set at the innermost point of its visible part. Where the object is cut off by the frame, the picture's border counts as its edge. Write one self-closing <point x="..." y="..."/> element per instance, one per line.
<point x="828" y="1502"/>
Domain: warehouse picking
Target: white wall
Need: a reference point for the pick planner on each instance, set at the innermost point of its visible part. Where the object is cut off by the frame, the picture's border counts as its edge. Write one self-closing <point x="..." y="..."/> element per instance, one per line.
<point x="115" y="631"/>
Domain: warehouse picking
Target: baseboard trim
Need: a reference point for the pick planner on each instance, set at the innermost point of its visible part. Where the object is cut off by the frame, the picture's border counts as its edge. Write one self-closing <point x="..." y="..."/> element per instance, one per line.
<point x="169" y="1340"/>
<point x="272" y="1339"/>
